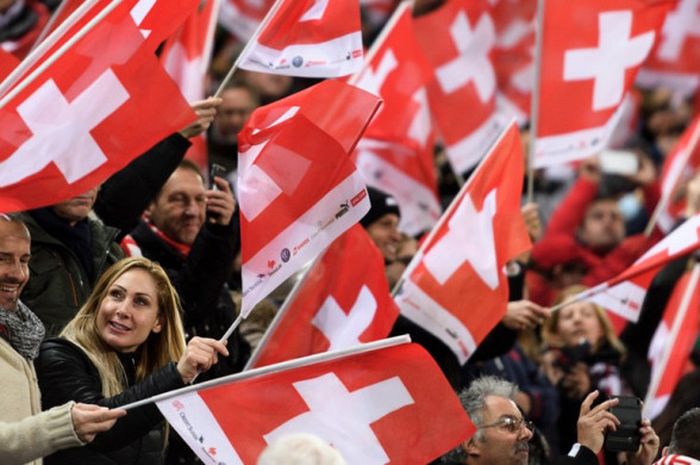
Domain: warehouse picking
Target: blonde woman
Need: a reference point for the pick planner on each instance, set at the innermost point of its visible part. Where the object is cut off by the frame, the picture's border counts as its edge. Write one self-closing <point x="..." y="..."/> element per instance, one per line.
<point x="125" y="344"/>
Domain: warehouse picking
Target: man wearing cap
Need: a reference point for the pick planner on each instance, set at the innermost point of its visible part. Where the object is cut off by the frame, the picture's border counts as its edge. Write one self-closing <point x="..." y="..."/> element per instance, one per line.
<point x="382" y="223"/>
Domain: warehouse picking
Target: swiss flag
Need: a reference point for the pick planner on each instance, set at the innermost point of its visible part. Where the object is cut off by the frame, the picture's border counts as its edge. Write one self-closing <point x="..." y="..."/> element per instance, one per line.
<point x="679" y="166"/>
<point x="242" y="17"/>
<point x="514" y="55"/>
<point x="674" y="62"/>
<point x="154" y="18"/>
<point x="458" y="40"/>
<point x="186" y="56"/>
<point x="338" y="305"/>
<point x="396" y="152"/>
<point x="584" y="76"/>
<point x="625" y="293"/>
<point x="297" y="187"/>
<point x="307" y="38"/>
<point x="464" y="257"/>
<point x="673" y="341"/>
<point x="386" y="406"/>
<point x="81" y="120"/>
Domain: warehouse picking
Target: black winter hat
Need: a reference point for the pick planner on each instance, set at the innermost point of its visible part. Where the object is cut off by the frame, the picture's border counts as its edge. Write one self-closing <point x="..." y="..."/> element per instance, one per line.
<point x="381" y="205"/>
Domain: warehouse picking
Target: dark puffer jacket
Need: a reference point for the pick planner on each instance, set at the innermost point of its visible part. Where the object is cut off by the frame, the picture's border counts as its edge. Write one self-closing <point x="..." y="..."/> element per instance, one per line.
<point x="137" y="438"/>
<point x="58" y="284"/>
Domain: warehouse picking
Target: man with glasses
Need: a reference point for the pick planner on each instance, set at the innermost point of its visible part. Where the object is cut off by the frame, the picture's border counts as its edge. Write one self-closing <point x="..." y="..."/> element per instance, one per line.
<point x="503" y="434"/>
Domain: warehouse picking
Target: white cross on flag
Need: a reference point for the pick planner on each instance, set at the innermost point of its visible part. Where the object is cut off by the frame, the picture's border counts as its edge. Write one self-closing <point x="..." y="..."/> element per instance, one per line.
<point x="386" y="406"/>
<point x="463" y="258"/>
<point x="307" y="38"/>
<point x="242" y="17"/>
<point x="458" y="40"/>
<point x="585" y="76"/>
<point x="625" y="293"/>
<point x="297" y="187"/>
<point x="674" y="62"/>
<point x="673" y="341"/>
<point x="396" y="153"/>
<point x="679" y="167"/>
<point x="342" y="301"/>
<point x="81" y="120"/>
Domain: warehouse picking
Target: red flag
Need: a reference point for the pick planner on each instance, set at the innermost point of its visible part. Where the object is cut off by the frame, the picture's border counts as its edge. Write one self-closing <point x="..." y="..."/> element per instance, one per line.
<point x="8" y="62"/>
<point x="590" y="71"/>
<point x="186" y="56"/>
<point x="242" y="17"/>
<point x="340" y="303"/>
<point x="297" y="187"/>
<point x="513" y="56"/>
<point x="464" y="257"/>
<point x="308" y="38"/>
<point x="625" y="293"/>
<point x="673" y="341"/>
<point x="396" y="153"/>
<point x="679" y="166"/>
<point x="81" y="120"/>
<point x="387" y="406"/>
<point x="458" y="40"/>
<point x="674" y="63"/>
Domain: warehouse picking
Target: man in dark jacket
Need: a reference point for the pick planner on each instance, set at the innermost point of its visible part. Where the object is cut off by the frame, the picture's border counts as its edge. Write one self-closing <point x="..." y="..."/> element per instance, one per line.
<point x="71" y="248"/>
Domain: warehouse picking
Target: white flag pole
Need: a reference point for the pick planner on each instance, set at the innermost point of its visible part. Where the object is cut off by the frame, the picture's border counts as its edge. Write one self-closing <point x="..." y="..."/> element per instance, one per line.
<point x="243" y="55"/>
<point x="665" y="199"/>
<point x="269" y="332"/>
<point x="453" y="205"/>
<point x="379" y="41"/>
<point x="288" y="365"/>
<point x="58" y="54"/>
<point x="535" y="102"/>
<point x="677" y="321"/>
<point x="41" y="46"/>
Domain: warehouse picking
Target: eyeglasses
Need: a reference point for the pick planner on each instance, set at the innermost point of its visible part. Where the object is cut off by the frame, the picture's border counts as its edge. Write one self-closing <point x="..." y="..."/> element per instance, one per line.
<point x="510" y="423"/>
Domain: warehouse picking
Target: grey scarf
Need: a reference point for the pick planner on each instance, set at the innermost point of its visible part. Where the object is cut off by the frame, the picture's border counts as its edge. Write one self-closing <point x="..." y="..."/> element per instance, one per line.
<point x="22" y="329"/>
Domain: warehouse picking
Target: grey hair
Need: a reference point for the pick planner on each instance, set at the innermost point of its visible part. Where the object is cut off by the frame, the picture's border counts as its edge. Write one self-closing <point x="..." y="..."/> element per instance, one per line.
<point x="300" y="449"/>
<point x="14" y="219"/>
<point x="685" y="437"/>
<point x="473" y="401"/>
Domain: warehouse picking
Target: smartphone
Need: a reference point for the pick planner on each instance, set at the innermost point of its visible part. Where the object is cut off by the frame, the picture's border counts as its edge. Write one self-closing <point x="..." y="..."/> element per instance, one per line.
<point x="619" y="162"/>
<point x="216" y="170"/>
<point x="627" y="437"/>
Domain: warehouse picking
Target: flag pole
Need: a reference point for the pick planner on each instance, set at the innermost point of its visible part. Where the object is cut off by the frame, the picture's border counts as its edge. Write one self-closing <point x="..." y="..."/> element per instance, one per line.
<point x="535" y="102"/>
<point x="379" y="41"/>
<point x="288" y="365"/>
<point x="583" y="295"/>
<point x="241" y="56"/>
<point x="58" y="54"/>
<point x="280" y="313"/>
<point x="40" y="48"/>
<point x="663" y="202"/>
<point x="453" y="205"/>
<point x="678" y="320"/>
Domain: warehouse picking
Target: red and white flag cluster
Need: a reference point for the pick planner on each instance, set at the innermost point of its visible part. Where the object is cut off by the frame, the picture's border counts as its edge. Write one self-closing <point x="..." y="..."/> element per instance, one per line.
<point x="467" y="251"/>
<point x="391" y="405"/>
<point x="396" y="153"/>
<point x="298" y="194"/>
<point x="338" y="305"/>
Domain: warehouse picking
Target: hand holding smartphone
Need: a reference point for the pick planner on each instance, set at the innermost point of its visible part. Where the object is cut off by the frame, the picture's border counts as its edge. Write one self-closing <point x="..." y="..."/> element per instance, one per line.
<point x="627" y="437"/>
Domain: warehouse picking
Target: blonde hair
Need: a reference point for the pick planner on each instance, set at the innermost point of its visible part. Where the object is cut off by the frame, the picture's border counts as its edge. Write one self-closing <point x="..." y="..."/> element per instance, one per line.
<point x="550" y="327"/>
<point x="157" y="351"/>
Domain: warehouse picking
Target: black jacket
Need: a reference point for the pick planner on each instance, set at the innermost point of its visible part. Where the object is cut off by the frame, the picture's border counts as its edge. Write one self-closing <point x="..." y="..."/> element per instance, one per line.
<point x="66" y="373"/>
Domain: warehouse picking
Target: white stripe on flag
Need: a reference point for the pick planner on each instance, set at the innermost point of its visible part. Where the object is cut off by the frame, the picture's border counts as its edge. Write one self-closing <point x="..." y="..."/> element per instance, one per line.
<point x="467" y="152"/>
<point x="194" y="422"/>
